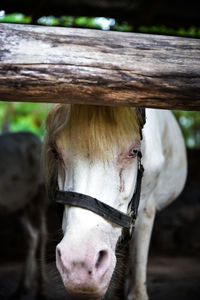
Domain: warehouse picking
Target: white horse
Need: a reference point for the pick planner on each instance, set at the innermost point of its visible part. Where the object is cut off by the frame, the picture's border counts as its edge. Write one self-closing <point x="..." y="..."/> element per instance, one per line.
<point x="96" y="154"/>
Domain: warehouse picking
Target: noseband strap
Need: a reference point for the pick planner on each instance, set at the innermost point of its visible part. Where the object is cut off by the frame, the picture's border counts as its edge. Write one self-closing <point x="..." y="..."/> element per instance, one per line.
<point x="90" y="203"/>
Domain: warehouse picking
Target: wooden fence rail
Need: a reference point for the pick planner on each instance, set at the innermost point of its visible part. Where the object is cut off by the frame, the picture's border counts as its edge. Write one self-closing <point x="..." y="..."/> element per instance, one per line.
<point x="66" y="65"/>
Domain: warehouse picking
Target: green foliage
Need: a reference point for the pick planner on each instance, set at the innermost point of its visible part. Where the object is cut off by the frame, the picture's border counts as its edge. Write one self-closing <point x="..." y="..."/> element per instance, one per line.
<point x="190" y="124"/>
<point x="48" y="21"/>
<point x="70" y="21"/>
<point x="99" y="23"/>
<point x="67" y="21"/>
<point x="87" y="22"/>
<point x="123" y="26"/>
<point x="192" y="31"/>
<point x="24" y="116"/>
<point x="15" y="18"/>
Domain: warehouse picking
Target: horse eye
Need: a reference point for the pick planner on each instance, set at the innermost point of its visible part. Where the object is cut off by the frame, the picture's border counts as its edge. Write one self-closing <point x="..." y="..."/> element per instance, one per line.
<point x="133" y="152"/>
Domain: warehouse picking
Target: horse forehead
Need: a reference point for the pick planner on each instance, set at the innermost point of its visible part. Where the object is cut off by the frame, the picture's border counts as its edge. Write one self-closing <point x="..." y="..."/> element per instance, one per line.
<point x="93" y="167"/>
<point x="75" y="157"/>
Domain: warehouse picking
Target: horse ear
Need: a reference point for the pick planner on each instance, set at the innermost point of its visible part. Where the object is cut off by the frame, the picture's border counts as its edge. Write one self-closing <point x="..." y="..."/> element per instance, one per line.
<point x="141" y="113"/>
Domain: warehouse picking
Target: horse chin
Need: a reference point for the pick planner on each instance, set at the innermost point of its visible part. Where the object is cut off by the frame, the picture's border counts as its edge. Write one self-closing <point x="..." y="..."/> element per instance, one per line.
<point x="93" y="291"/>
<point x="97" y="295"/>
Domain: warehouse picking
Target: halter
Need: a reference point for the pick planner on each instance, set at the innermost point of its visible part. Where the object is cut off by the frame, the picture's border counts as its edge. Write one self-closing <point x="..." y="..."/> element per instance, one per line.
<point x="127" y="221"/>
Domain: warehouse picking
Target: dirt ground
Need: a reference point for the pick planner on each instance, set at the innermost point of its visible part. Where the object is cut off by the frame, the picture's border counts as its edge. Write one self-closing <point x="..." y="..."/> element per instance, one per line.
<point x="168" y="279"/>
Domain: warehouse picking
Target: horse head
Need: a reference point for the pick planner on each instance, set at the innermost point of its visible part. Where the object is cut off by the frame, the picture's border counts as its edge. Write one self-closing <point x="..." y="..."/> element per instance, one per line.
<point x="91" y="150"/>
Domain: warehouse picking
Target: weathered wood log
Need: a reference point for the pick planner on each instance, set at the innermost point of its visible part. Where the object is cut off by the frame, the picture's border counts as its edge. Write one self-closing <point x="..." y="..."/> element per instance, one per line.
<point x="46" y="64"/>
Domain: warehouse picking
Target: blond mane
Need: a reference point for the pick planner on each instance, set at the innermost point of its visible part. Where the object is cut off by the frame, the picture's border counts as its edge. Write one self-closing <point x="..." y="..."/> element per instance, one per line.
<point x="89" y="130"/>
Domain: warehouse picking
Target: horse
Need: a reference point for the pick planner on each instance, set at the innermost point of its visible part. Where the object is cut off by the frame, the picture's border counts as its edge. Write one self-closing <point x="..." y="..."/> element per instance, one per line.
<point x="22" y="192"/>
<point x="93" y="165"/>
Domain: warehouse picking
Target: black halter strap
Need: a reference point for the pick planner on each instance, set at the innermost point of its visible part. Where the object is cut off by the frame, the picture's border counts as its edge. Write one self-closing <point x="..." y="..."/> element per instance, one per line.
<point x="127" y="221"/>
<point x="90" y="203"/>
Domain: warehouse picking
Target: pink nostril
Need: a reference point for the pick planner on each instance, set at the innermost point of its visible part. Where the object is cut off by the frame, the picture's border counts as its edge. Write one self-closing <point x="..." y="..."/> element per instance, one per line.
<point x="102" y="261"/>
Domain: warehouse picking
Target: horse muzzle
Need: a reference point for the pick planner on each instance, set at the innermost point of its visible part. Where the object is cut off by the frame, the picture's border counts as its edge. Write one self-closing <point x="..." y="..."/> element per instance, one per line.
<point x="88" y="273"/>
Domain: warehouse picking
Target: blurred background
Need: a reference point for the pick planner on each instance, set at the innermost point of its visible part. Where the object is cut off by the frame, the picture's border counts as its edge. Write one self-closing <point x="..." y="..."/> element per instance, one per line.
<point x="174" y="268"/>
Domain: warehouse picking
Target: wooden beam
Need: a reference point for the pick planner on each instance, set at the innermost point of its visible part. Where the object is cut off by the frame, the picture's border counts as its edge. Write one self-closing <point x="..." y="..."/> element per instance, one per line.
<point x="52" y="64"/>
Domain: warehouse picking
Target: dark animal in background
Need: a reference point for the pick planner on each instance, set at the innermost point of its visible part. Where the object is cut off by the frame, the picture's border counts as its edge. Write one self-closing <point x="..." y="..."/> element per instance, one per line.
<point x="22" y="192"/>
